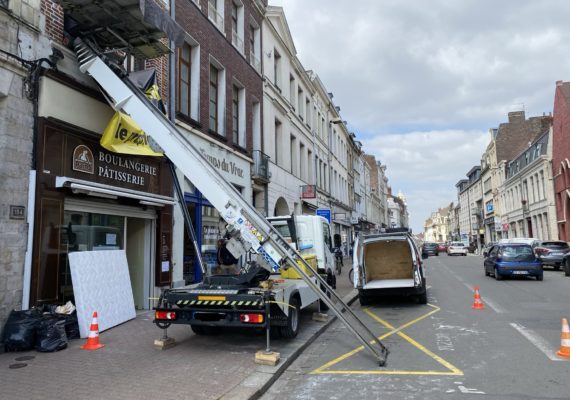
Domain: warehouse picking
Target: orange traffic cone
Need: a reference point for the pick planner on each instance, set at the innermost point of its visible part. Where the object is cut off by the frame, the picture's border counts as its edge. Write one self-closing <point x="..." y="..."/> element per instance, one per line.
<point x="92" y="342"/>
<point x="477" y="304"/>
<point x="564" y="340"/>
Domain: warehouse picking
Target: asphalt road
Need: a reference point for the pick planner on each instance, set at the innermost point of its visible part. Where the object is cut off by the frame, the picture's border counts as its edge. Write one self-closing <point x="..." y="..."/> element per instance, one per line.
<point x="446" y="349"/>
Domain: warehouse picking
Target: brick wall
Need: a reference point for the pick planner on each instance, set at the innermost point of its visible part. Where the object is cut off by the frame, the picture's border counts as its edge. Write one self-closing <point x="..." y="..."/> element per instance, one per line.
<point x="53" y="14"/>
<point x="513" y="136"/>
<point x="214" y="44"/>
<point x="561" y="152"/>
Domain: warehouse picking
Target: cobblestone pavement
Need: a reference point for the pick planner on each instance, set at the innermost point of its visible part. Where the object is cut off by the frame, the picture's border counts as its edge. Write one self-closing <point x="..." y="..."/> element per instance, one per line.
<point x="130" y="367"/>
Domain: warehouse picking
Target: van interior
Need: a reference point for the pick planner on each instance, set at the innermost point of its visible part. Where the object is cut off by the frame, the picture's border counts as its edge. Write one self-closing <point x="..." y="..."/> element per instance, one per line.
<point x="388" y="264"/>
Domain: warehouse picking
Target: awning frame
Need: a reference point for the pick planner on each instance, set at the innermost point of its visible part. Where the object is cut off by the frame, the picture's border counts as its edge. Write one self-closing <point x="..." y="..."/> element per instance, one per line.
<point x="112" y="192"/>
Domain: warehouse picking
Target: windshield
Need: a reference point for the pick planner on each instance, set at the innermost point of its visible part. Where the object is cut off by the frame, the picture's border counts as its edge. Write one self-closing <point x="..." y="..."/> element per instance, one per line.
<point x="517" y="253"/>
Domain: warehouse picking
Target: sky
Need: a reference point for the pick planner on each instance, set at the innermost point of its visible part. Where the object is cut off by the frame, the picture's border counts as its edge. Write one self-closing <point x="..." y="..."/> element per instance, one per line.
<point x="420" y="82"/>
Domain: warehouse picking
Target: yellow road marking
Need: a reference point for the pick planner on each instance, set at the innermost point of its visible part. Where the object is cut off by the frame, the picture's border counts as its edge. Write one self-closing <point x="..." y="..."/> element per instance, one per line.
<point x="452" y="369"/>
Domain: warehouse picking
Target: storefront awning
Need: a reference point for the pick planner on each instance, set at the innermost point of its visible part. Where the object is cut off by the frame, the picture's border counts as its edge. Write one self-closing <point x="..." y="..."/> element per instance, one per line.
<point x="112" y="192"/>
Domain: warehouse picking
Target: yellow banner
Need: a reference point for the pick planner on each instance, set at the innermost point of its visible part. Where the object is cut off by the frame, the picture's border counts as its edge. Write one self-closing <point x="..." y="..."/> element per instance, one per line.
<point x="123" y="135"/>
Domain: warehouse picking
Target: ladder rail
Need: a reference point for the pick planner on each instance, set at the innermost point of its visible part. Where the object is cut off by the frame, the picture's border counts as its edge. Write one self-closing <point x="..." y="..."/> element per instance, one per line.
<point x="255" y="231"/>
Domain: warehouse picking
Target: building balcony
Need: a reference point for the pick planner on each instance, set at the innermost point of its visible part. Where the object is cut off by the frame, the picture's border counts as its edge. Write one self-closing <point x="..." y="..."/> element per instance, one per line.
<point x="237" y="41"/>
<point x="260" y="168"/>
<point x="254" y="61"/>
<point x="215" y="17"/>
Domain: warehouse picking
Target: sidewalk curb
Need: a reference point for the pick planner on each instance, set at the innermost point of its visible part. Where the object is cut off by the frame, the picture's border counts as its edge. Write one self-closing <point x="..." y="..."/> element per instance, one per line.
<point x="261" y="379"/>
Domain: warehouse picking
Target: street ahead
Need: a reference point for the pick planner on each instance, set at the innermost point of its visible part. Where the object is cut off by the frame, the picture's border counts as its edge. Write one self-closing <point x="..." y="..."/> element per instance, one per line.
<point x="446" y="349"/>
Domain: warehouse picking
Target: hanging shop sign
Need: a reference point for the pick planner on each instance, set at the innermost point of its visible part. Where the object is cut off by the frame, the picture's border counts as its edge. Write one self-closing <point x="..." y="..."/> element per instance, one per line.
<point x="308" y="192"/>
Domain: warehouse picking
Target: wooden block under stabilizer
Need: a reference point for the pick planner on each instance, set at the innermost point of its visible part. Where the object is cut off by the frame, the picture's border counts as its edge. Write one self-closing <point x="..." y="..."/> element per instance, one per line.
<point x="321" y="317"/>
<point x="164" y="343"/>
<point x="266" y="358"/>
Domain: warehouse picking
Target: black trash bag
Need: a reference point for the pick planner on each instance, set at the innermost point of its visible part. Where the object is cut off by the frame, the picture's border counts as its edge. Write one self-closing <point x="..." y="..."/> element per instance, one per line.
<point x="51" y="335"/>
<point x="71" y="325"/>
<point x="20" y="330"/>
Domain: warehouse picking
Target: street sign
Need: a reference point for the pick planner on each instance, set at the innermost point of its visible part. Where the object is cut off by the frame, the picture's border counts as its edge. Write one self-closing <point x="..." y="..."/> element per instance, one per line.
<point x="324" y="212"/>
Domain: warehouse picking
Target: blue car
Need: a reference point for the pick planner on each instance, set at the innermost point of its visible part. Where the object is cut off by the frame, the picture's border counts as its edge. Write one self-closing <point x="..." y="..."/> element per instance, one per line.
<point x="512" y="259"/>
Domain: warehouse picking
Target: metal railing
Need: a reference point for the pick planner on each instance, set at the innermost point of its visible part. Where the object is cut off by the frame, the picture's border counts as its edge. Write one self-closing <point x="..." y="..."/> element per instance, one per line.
<point x="215" y="16"/>
<point x="260" y="168"/>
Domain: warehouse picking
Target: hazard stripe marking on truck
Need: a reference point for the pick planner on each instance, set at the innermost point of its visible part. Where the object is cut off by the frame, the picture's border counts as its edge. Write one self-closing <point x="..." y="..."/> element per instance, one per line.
<point x="393" y="330"/>
<point x="192" y="302"/>
<point x="186" y="302"/>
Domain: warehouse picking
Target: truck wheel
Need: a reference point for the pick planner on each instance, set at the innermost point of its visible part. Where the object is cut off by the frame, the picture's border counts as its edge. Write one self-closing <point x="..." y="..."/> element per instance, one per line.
<point x="422" y="298"/>
<point x="292" y="328"/>
<point x="567" y="268"/>
<point x="364" y="300"/>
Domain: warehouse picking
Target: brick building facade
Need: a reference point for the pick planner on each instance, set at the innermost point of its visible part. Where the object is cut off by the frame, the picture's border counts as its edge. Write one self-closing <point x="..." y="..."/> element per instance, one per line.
<point x="560" y="157"/>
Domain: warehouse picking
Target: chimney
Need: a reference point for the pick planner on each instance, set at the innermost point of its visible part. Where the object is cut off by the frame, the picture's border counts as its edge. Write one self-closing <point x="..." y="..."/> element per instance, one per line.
<point x="559" y="83"/>
<point x="516" y="116"/>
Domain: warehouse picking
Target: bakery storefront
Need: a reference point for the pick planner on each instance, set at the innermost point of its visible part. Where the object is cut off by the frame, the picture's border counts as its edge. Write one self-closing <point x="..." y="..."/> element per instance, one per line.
<point x="90" y="199"/>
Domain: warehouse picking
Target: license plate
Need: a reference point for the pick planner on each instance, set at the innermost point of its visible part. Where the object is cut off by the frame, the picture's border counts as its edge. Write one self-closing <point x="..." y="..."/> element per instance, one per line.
<point x="520" y="272"/>
<point x="556" y="253"/>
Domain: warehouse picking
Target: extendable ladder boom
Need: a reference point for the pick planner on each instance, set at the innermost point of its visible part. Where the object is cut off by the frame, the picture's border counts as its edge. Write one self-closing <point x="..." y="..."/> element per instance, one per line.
<point x="255" y="232"/>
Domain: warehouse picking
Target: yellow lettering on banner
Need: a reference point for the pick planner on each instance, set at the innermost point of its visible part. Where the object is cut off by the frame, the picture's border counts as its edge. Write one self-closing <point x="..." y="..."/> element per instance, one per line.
<point x="123" y="135"/>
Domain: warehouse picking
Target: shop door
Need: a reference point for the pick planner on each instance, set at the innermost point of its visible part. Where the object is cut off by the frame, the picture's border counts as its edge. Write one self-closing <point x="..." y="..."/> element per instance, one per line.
<point x="139" y="255"/>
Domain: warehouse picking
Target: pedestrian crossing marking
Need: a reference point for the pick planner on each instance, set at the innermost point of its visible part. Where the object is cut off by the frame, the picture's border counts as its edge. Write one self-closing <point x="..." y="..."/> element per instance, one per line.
<point x="454" y="371"/>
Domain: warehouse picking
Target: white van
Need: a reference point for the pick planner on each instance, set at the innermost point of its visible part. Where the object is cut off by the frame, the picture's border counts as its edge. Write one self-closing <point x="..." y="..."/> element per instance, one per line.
<point x="309" y="234"/>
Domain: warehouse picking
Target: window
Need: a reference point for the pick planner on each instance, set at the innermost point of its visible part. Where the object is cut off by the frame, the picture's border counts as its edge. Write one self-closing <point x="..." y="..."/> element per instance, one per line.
<point x="302" y="166"/>
<point x="278" y="157"/>
<point x="300" y="102"/>
<point x="213" y="99"/>
<point x="254" y="48"/>
<point x="307" y="110"/>
<point x="277" y="69"/>
<point x="292" y="93"/>
<point x="184" y="80"/>
<point x="237" y="25"/>
<point x="294" y="156"/>
<point x="238" y="115"/>
<point x="188" y="81"/>
<point x="216" y="13"/>
<point x="235" y="114"/>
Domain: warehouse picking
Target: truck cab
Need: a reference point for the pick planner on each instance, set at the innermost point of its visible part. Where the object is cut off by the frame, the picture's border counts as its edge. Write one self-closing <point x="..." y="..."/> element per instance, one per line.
<point x="309" y="234"/>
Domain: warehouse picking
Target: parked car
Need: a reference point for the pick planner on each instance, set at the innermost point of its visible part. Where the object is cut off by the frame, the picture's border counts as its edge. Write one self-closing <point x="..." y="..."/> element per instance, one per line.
<point x="551" y="252"/>
<point x="441" y="247"/>
<point x="512" y="259"/>
<point x="430" y="249"/>
<point x="457" y="248"/>
<point x="388" y="264"/>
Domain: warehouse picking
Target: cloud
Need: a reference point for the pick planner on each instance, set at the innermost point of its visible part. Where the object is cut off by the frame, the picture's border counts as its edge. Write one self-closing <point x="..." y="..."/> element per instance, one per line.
<point x="405" y="72"/>
<point x="425" y="166"/>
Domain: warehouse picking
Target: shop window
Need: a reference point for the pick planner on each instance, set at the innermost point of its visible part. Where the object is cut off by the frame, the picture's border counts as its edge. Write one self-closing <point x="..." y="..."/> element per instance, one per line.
<point x="84" y="231"/>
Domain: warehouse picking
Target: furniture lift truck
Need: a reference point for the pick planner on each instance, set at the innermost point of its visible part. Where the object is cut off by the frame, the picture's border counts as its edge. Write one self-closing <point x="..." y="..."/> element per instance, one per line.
<point x="235" y="300"/>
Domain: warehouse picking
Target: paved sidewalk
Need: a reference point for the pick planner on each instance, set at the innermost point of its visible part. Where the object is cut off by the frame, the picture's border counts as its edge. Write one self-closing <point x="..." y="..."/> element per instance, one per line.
<point x="130" y="367"/>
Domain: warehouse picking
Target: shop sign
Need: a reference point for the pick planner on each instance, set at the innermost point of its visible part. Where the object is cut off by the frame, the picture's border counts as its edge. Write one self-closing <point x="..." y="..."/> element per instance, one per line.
<point x="125" y="170"/>
<point x="224" y="165"/>
<point x="308" y="192"/>
<point x="489" y="207"/>
<point x="505" y="227"/>
<point x="324" y="212"/>
<point x="83" y="160"/>
<point x="498" y="227"/>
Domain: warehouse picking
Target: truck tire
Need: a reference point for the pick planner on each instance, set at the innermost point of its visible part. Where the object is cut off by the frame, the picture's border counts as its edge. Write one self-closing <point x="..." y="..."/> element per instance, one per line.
<point x="293" y="319"/>
<point x="422" y="298"/>
<point x="363" y="299"/>
<point x="567" y="268"/>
